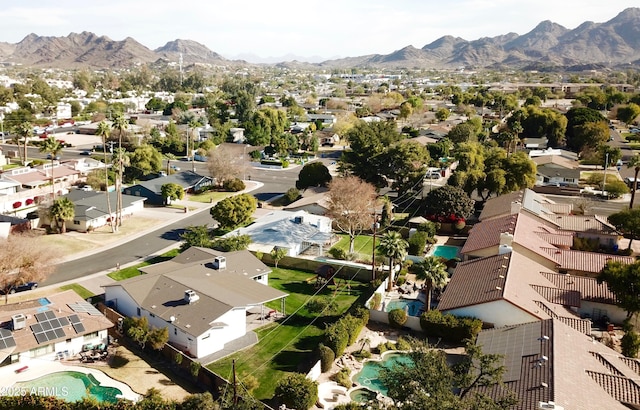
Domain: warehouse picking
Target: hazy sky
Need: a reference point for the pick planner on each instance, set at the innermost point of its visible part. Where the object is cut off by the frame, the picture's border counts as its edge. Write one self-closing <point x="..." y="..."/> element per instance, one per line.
<point x="304" y="28"/>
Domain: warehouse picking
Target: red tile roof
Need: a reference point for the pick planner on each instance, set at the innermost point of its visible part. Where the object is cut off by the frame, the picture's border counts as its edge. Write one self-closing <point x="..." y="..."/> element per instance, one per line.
<point x="487" y="233"/>
<point x="589" y="288"/>
<point x="591" y="262"/>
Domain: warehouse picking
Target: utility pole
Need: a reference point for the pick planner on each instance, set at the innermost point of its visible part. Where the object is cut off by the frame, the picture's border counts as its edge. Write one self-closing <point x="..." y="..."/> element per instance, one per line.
<point x="235" y="392"/>
<point x="606" y="165"/>
<point x="373" y="255"/>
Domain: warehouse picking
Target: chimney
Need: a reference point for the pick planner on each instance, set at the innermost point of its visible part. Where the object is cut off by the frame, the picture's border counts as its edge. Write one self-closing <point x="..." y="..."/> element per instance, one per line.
<point x="190" y="296"/>
<point x="506" y="238"/>
<point x="220" y="263"/>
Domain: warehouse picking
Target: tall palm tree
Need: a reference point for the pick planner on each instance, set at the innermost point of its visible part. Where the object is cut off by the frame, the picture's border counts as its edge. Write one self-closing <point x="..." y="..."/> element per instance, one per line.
<point x="433" y="272"/>
<point x="634" y="162"/>
<point x="60" y="211"/>
<point x="393" y="247"/>
<point x="52" y="147"/>
<point x="103" y="131"/>
<point x="24" y="131"/>
<point x="120" y="125"/>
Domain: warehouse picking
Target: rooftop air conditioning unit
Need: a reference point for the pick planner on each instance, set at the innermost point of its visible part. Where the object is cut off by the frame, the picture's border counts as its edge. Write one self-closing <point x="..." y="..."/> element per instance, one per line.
<point x="220" y="263"/>
<point x="19" y="321"/>
<point x="298" y="219"/>
<point x="190" y="296"/>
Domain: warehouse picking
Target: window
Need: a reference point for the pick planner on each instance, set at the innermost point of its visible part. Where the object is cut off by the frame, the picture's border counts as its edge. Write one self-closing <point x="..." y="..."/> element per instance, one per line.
<point x="90" y="336"/>
<point x="175" y="331"/>
<point x="207" y="336"/>
<point x="152" y="315"/>
<point x="76" y="222"/>
<point x="138" y="311"/>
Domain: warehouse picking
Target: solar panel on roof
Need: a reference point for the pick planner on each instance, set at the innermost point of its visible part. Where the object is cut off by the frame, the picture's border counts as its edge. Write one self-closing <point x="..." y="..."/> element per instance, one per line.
<point x="41" y="338"/>
<point x="63" y="321"/>
<point x="73" y="319"/>
<point x="59" y="333"/>
<point x="41" y="317"/>
<point x="78" y="327"/>
<point x="51" y="335"/>
<point x="50" y="314"/>
<point x="6" y="339"/>
<point x="84" y="307"/>
<point x="46" y="325"/>
<point x="37" y="328"/>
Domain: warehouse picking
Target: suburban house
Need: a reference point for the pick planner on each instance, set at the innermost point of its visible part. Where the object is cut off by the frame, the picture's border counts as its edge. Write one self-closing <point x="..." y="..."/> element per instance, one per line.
<point x="59" y="325"/>
<point x="549" y="365"/>
<point x="41" y="175"/>
<point x="92" y="212"/>
<point x="556" y="170"/>
<point x="509" y="289"/>
<point x="513" y="202"/>
<point x="314" y="201"/>
<point x="327" y="138"/>
<point x="152" y="189"/>
<point x="297" y="232"/>
<point x="540" y="240"/>
<point x="202" y="296"/>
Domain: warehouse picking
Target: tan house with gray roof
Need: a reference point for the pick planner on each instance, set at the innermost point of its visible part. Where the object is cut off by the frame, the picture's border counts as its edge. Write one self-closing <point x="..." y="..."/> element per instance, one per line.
<point x="202" y="296"/>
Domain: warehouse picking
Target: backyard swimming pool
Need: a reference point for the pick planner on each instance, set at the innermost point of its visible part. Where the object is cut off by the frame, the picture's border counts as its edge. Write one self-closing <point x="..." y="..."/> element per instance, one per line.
<point x="70" y="386"/>
<point x="414" y="307"/>
<point x="368" y="376"/>
<point x="445" y="251"/>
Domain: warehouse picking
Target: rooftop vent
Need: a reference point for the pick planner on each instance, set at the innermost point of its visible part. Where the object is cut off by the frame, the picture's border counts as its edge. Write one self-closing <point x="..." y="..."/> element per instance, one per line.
<point x="190" y="296"/>
<point x="220" y="263"/>
<point x="298" y="219"/>
<point x="18" y="321"/>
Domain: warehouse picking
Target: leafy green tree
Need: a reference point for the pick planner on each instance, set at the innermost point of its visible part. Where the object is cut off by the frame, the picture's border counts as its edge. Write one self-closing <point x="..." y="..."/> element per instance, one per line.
<point x="52" y="147"/>
<point x="232" y="243"/>
<point x="234" y="211"/>
<point x="433" y="272"/>
<point x="23" y="132"/>
<point x="463" y="132"/>
<point x="448" y="203"/>
<point x="158" y="337"/>
<point x="442" y="114"/>
<point x="277" y="254"/>
<point x="405" y="163"/>
<point x="520" y="172"/>
<point x="171" y="192"/>
<point x="61" y="210"/>
<point x="196" y="236"/>
<point x="585" y="128"/>
<point x="137" y="329"/>
<point x="616" y="188"/>
<point x="367" y="142"/>
<point x="296" y="391"/>
<point x="313" y="174"/>
<point x="628" y="113"/>
<point x="144" y="160"/>
<point x="265" y="124"/>
<point x="628" y="222"/>
<point x="394" y="247"/>
<point x="351" y="206"/>
<point x="624" y="281"/>
<point x="292" y="195"/>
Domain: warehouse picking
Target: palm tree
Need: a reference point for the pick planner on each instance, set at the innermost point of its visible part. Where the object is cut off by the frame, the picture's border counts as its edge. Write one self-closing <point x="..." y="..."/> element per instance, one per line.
<point x="60" y="211"/>
<point x="104" y="130"/>
<point x="395" y="248"/>
<point x="634" y="162"/>
<point x="169" y="157"/>
<point x="120" y="125"/>
<point x="24" y="130"/>
<point x="52" y="147"/>
<point x="433" y="272"/>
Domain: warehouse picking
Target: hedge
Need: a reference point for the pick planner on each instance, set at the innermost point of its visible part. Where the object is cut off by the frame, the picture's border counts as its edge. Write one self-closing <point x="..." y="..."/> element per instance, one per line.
<point x="449" y="327"/>
<point x="397" y="318"/>
<point x="327" y="356"/>
<point x="345" y="331"/>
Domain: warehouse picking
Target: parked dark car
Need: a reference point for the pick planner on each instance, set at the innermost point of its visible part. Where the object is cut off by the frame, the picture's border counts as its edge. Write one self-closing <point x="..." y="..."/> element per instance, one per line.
<point x="19" y="287"/>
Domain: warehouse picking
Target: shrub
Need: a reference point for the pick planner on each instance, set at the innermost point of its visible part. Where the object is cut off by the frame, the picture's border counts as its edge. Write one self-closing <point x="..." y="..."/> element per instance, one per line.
<point x="322" y="304"/>
<point x="382" y="347"/>
<point x="362" y="313"/>
<point x="285" y="163"/>
<point x="233" y="185"/>
<point x="353" y="325"/>
<point x="337" y="338"/>
<point x="375" y="301"/>
<point x="194" y="368"/>
<point x="337" y="253"/>
<point x="403" y="344"/>
<point x="296" y="391"/>
<point x="362" y="354"/>
<point x="449" y="327"/>
<point x="397" y="318"/>
<point x="401" y="280"/>
<point x="291" y="195"/>
<point x="342" y="378"/>
<point x="327" y="356"/>
<point x="417" y="243"/>
<point x="630" y="343"/>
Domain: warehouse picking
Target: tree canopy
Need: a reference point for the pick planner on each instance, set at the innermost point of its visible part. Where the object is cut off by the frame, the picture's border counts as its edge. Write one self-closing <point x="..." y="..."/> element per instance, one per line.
<point x="627" y="221"/>
<point x="234" y="211"/>
<point x="313" y="174"/>
<point x="448" y="203"/>
<point x="296" y="391"/>
<point x="624" y="281"/>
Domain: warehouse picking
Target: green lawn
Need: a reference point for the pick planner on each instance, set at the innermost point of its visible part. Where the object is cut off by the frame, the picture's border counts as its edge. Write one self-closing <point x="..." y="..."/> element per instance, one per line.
<point x="210" y="196"/>
<point x="132" y="271"/>
<point x="363" y="245"/>
<point x="288" y="346"/>
<point x="80" y="290"/>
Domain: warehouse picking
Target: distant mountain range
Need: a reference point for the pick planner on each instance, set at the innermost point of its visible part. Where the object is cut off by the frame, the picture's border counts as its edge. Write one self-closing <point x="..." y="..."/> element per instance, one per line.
<point x="615" y="43"/>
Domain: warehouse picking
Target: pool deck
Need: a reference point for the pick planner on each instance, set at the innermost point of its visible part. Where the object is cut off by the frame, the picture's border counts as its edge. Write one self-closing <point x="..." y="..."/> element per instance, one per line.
<point x="37" y="368"/>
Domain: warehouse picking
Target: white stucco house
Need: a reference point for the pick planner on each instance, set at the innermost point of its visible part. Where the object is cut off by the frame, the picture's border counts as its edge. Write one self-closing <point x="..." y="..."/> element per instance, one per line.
<point x="202" y="296"/>
<point x="294" y="231"/>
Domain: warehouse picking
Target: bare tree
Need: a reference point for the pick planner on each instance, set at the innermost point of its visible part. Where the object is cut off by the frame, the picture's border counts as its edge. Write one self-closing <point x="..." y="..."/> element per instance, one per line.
<point x="21" y="261"/>
<point x="352" y="206"/>
<point x="224" y="164"/>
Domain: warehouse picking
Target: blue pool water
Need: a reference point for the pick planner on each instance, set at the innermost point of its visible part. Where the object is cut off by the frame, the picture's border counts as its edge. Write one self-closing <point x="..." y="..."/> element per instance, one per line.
<point x="70" y="386"/>
<point x="368" y="376"/>
<point x="414" y="307"/>
<point x="445" y="251"/>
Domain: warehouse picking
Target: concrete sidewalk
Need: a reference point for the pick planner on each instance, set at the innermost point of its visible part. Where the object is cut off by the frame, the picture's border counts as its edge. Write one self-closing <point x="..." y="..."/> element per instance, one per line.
<point x="164" y="216"/>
